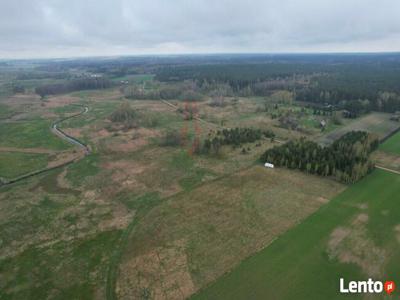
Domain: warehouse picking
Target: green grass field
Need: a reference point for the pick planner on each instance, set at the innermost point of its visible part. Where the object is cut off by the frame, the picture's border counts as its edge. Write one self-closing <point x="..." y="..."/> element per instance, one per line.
<point x="13" y="164"/>
<point x="392" y="145"/>
<point x="297" y="265"/>
<point x="5" y="111"/>
<point x="30" y="134"/>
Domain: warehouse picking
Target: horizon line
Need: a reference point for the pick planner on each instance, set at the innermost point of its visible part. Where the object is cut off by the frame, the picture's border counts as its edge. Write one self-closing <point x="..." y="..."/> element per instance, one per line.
<point x="201" y="54"/>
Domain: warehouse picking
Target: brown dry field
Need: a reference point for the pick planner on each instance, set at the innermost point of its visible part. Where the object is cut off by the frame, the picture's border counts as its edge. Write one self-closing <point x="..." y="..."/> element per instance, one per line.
<point x="386" y="160"/>
<point x="194" y="237"/>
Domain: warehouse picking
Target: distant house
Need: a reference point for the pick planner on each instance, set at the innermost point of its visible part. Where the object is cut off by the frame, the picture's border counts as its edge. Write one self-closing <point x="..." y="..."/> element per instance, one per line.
<point x="346" y="114"/>
<point x="269" y="165"/>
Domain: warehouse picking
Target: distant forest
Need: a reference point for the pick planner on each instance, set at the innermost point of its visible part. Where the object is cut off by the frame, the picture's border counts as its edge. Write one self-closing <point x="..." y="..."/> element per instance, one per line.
<point x="73" y="85"/>
<point x="357" y="83"/>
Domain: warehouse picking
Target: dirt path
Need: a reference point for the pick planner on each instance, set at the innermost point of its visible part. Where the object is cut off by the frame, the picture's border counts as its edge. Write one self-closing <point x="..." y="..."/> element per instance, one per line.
<point x="388" y="170"/>
<point x="196" y="118"/>
<point x="28" y="150"/>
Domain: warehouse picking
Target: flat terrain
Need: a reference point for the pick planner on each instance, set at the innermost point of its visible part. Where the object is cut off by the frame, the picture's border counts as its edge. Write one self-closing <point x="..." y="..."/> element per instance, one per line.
<point x="139" y="219"/>
<point x="392" y="145"/>
<point x="14" y="164"/>
<point x="354" y="236"/>
<point x="192" y="238"/>
<point x="388" y="154"/>
<point x="30" y="134"/>
<point x="377" y="123"/>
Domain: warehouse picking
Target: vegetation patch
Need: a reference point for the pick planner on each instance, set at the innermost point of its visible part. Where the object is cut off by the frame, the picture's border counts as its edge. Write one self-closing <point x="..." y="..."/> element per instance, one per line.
<point x="392" y="145"/>
<point x="14" y="164"/>
<point x="30" y="134"/>
<point x="213" y="226"/>
<point x="303" y="254"/>
<point x="347" y="159"/>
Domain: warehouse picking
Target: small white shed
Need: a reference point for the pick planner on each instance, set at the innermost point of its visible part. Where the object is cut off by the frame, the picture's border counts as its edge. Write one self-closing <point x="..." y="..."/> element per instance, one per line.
<point x="269" y="165"/>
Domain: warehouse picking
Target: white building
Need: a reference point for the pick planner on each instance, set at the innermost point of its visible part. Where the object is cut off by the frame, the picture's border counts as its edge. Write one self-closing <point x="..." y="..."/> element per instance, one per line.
<point x="269" y="165"/>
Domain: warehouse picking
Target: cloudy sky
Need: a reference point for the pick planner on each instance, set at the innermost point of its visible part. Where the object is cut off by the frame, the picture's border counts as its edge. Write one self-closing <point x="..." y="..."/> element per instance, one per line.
<point x="68" y="28"/>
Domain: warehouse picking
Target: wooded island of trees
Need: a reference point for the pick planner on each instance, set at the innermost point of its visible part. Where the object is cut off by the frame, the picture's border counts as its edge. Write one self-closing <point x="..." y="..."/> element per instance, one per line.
<point x="235" y="137"/>
<point x="347" y="159"/>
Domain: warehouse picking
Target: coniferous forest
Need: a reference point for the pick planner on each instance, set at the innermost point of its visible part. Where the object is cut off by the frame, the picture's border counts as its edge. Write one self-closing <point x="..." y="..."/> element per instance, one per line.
<point x="347" y="159"/>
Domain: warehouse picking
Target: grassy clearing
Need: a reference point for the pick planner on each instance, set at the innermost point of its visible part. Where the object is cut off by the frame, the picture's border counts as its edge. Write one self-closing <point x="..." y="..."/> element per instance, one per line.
<point x="208" y="229"/>
<point x="392" y="145"/>
<point x="32" y="134"/>
<point x="377" y="123"/>
<point x="5" y="111"/>
<point x="83" y="169"/>
<point x="65" y="270"/>
<point x="298" y="265"/>
<point x="13" y="164"/>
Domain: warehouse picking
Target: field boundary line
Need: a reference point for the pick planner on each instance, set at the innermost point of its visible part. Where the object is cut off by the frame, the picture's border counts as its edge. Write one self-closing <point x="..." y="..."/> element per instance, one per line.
<point x="387" y="169"/>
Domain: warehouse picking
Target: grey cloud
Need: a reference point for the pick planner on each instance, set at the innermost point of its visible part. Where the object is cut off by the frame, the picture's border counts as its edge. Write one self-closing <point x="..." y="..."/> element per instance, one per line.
<point x="40" y="28"/>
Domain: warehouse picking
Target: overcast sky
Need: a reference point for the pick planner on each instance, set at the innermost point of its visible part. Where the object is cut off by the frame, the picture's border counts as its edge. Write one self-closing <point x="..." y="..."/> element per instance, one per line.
<point x="67" y="28"/>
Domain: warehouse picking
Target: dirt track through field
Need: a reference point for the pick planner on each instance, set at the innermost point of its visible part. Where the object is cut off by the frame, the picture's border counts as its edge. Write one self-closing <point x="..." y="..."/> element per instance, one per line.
<point x="388" y="170"/>
<point x="27" y="150"/>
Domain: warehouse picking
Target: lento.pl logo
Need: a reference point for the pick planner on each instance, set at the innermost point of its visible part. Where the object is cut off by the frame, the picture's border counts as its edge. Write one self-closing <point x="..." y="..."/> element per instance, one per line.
<point x="370" y="286"/>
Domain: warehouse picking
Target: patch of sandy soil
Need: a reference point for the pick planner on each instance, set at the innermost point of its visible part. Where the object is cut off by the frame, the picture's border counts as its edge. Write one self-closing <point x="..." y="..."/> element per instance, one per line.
<point x="363" y="206"/>
<point x="120" y="219"/>
<point x="62" y="180"/>
<point x="99" y="134"/>
<point x="125" y="173"/>
<point x="161" y="273"/>
<point x="322" y="200"/>
<point x="353" y="245"/>
<point x="360" y="219"/>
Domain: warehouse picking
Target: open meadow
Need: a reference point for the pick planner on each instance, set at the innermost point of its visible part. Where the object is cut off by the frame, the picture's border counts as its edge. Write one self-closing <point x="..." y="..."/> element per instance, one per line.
<point x="354" y="236"/>
<point x="376" y="123"/>
<point x="146" y="179"/>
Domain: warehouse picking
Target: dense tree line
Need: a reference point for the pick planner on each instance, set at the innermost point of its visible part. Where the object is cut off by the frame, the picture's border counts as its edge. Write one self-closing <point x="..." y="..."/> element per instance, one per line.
<point x="73" y="85"/>
<point x="235" y="137"/>
<point x="347" y="159"/>
<point x="358" y="85"/>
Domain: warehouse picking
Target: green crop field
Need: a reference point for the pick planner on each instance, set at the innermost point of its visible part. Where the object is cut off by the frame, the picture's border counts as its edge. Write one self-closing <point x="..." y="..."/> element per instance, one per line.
<point x="355" y="236"/>
<point x="392" y="145"/>
<point x="13" y="164"/>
